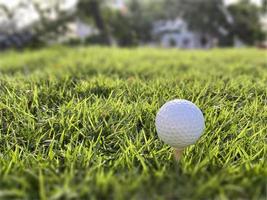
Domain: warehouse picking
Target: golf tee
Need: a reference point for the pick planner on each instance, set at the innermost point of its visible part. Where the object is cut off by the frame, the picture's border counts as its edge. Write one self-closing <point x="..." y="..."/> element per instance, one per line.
<point x="178" y="154"/>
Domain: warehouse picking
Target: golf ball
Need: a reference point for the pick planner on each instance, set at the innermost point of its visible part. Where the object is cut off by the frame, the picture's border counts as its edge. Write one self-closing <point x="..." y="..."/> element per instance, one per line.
<point x="179" y="123"/>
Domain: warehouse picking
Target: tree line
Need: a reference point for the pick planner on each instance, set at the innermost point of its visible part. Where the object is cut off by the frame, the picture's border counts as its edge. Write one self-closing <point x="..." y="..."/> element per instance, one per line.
<point x="133" y="25"/>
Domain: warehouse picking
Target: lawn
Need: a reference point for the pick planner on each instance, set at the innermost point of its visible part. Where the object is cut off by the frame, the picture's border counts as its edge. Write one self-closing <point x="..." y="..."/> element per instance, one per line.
<point x="78" y="123"/>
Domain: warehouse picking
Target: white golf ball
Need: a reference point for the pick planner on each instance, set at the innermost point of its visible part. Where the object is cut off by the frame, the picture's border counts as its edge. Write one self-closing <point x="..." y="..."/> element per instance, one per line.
<point x="179" y="123"/>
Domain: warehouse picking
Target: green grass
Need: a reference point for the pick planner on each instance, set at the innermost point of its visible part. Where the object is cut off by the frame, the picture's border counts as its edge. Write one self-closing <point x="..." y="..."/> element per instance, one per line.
<point x="79" y="124"/>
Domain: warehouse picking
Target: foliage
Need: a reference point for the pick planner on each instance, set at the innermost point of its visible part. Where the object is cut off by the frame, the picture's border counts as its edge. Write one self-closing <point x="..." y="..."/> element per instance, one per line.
<point x="215" y="20"/>
<point x="264" y="6"/>
<point x="246" y="25"/>
<point x="79" y="124"/>
<point x="204" y="16"/>
<point x="43" y="31"/>
<point x="94" y="9"/>
<point x="210" y="18"/>
<point x="133" y="26"/>
<point x="173" y="8"/>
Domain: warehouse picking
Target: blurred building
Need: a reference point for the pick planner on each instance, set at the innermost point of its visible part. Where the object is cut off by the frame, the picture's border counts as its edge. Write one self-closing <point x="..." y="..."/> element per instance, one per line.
<point x="80" y="30"/>
<point x="175" y="33"/>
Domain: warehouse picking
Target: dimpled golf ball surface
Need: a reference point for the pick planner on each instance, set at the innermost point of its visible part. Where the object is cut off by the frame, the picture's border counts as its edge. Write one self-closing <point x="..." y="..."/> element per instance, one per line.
<point x="179" y="123"/>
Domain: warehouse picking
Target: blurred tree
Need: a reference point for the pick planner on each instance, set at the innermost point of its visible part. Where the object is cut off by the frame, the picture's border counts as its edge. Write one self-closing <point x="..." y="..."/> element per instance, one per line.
<point x="208" y="17"/>
<point x="51" y="23"/>
<point x="173" y="8"/>
<point x="246" y="22"/>
<point x="131" y="26"/>
<point x="93" y="9"/>
<point x="213" y="19"/>
<point x="50" y="28"/>
<point x="8" y="24"/>
<point x="264" y="6"/>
